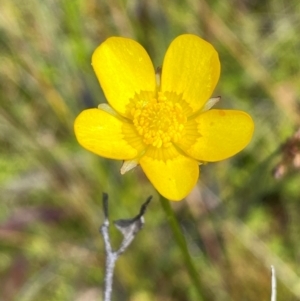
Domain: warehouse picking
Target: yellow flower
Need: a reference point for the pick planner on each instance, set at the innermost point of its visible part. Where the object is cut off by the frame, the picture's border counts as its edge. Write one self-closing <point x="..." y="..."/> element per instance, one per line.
<point x="164" y="125"/>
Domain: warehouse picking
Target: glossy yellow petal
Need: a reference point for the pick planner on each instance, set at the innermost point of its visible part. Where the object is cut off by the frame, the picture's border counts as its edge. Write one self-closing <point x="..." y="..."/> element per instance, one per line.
<point x="171" y="173"/>
<point x="217" y="134"/>
<point x="106" y="135"/>
<point x="191" y="68"/>
<point x="123" y="68"/>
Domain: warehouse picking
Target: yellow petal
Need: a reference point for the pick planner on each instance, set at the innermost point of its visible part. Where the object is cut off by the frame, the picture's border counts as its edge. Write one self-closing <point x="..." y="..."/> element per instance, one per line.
<point x="191" y="68"/>
<point x="171" y="173"/>
<point x="217" y="135"/>
<point x="123" y="68"/>
<point x="103" y="134"/>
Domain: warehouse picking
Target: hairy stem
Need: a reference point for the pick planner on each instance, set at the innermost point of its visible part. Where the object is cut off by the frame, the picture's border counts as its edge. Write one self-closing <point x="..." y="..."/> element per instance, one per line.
<point x="181" y="242"/>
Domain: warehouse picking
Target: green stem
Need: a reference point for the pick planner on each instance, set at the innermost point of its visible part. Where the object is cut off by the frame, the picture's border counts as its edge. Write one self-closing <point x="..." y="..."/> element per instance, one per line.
<point x="181" y="242"/>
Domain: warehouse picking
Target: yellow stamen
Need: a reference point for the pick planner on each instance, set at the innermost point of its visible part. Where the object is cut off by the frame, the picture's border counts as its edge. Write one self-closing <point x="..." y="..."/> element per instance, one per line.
<point x="159" y="120"/>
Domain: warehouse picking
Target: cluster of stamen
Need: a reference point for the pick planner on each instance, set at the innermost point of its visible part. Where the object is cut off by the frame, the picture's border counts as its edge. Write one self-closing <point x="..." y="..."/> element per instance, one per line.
<point x="160" y="120"/>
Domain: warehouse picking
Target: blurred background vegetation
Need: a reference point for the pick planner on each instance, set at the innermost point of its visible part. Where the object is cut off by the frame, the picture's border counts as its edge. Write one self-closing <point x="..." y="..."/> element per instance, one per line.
<point x="244" y="214"/>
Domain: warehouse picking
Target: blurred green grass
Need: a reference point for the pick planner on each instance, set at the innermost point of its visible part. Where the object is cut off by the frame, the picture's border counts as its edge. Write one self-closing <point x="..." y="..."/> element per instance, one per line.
<point x="237" y="222"/>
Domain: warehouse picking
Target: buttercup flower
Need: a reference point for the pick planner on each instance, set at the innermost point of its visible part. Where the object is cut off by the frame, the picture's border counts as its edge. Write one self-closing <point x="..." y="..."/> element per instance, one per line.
<point x="164" y="125"/>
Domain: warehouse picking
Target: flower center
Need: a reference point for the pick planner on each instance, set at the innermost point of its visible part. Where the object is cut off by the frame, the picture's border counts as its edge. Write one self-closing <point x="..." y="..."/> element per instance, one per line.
<point x="158" y="120"/>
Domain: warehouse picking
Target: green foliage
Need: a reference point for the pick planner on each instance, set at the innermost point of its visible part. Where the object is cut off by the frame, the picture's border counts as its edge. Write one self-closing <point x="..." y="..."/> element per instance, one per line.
<point x="238" y="221"/>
